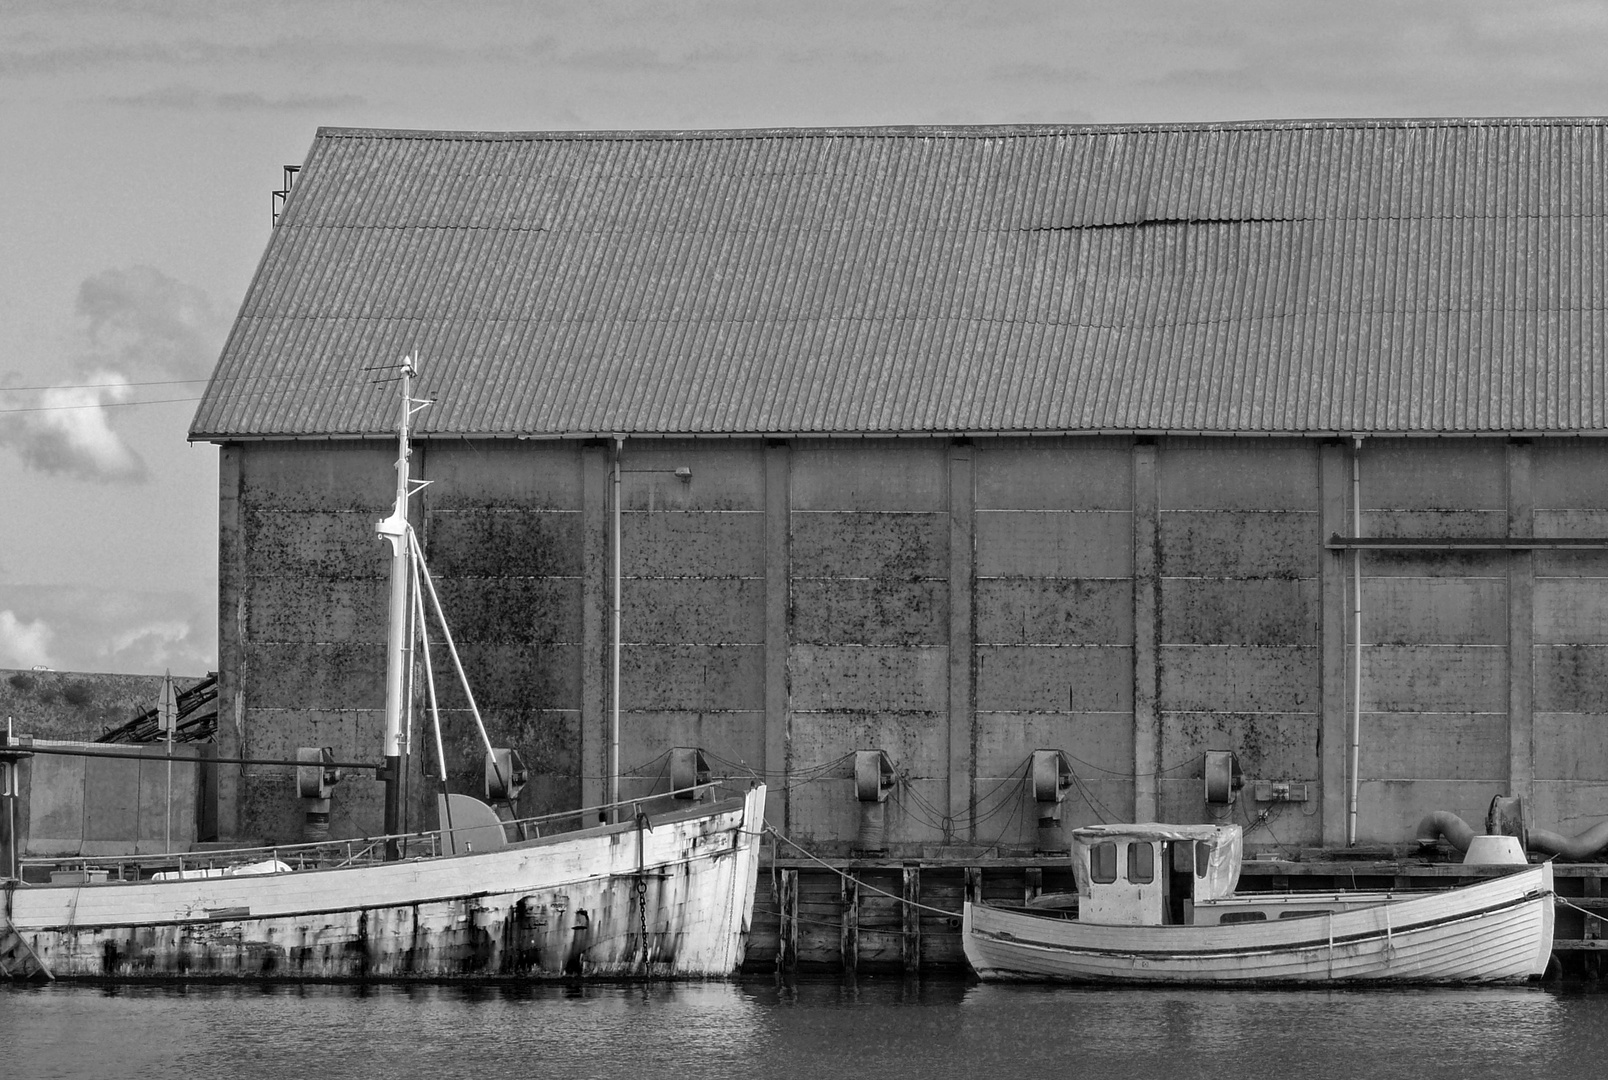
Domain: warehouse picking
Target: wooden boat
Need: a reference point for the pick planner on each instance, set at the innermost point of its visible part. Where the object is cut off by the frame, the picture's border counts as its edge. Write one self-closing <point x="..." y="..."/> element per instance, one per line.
<point x="665" y="893"/>
<point x="1156" y="904"/>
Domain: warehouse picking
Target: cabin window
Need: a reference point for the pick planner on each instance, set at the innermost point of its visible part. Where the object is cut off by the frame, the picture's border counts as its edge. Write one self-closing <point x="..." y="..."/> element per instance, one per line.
<point x="1103" y="863"/>
<point x="1301" y="914"/>
<point x="1243" y="916"/>
<point x="1141" y="864"/>
<point x="1203" y="857"/>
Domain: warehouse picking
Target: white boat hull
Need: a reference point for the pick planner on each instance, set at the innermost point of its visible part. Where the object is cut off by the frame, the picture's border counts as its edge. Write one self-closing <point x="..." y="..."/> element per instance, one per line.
<point x="1498" y="930"/>
<point x="564" y="905"/>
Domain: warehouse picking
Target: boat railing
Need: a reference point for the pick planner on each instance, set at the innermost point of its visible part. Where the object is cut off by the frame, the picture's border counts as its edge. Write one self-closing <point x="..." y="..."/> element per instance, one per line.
<point x="353" y="851"/>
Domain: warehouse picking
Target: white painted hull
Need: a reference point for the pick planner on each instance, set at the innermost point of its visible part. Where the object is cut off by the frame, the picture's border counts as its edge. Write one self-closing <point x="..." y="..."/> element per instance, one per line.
<point x="564" y="905"/>
<point x="1493" y="931"/>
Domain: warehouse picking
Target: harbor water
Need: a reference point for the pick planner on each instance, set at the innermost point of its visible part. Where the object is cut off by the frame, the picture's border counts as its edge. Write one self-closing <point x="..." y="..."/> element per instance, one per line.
<point x="760" y="1028"/>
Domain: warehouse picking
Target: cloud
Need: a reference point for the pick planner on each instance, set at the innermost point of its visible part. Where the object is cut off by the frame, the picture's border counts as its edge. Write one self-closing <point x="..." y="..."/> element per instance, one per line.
<point x="24" y="644"/>
<point x="133" y="325"/>
<point x="109" y="630"/>
<point x="174" y="96"/>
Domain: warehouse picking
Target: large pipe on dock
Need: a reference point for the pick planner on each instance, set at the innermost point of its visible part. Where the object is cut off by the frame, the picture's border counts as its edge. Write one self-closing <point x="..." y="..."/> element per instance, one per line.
<point x="1459" y="834"/>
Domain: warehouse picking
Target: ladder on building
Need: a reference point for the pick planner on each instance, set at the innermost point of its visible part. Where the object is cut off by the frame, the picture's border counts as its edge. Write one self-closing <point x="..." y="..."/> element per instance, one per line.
<point x="17" y="958"/>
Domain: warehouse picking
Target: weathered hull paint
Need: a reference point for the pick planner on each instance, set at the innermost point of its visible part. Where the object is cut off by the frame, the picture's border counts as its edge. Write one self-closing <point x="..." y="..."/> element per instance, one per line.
<point x="1494" y="931"/>
<point x="555" y="907"/>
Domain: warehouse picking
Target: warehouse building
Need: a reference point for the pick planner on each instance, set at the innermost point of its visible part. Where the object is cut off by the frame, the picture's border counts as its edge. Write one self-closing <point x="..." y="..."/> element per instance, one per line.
<point x="1131" y="443"/>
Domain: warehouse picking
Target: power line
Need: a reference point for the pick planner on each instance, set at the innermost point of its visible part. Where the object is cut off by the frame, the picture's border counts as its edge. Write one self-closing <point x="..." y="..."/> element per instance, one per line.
<point x="101" y="385"/>
<point x="99" y="405"/>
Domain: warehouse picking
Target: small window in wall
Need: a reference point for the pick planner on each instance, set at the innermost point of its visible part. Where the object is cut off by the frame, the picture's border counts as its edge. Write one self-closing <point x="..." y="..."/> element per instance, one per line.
<point x="1141" y="863"/>
<point x="1243" y="916"/>
<point x="1103" y="863"/>
<point x="1301" y="914"/>
<point x="1203" y="857"/>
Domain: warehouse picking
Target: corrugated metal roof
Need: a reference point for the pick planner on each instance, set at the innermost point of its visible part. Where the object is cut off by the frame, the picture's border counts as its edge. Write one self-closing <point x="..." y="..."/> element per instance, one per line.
<point x="1368" y="276"/>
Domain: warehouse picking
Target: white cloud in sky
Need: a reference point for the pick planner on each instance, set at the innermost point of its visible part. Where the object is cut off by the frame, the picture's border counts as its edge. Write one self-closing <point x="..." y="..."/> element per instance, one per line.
<point x="24" y="644"/>
<point x="133" y="325"/>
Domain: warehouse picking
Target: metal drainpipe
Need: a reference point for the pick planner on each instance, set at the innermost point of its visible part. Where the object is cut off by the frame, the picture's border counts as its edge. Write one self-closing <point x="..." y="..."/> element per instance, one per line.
<point x="1356" y="637"/>
<point x="614" y="680"/>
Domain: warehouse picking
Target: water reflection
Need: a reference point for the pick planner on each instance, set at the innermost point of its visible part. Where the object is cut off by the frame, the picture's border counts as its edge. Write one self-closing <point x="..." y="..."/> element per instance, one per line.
<point x="885" y="1029"/>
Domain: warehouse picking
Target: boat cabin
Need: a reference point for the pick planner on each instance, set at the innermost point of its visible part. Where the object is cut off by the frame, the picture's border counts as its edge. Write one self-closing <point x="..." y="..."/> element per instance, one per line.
<point x="1153" y="874"/>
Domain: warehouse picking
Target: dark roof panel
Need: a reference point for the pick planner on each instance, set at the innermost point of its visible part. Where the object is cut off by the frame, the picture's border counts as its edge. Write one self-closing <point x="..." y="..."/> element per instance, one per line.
<point x="1370" y="276"/>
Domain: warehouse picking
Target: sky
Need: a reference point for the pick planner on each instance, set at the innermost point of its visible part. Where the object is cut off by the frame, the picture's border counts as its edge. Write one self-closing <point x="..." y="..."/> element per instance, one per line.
<point x="140" y="142"/>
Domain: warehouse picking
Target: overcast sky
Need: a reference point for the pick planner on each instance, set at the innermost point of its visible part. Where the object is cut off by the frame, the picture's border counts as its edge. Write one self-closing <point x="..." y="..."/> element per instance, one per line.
<point x="140" y="141"/>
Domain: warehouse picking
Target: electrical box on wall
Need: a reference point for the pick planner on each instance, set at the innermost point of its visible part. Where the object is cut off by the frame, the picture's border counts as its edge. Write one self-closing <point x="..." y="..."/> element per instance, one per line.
<point x="1279" y="790"/>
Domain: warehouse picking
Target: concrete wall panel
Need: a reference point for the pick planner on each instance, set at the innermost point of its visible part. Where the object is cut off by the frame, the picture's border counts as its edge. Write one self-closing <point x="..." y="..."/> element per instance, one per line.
<point x="901" y="546"/>
<point x="328" y="477"/>
<point x="287" y="544"/>
<point x="1433" y="523"/>
<point x="310" y="610"/>
<point x="1444" y="474"/>
<point x="1570" y="808"/>
<point x="291" y="675"/>
<point x="1571" y="611"/>
<point x="875" y="475"/>
<point x="1434" y="746"/>
<point x="1419" y="678"/>
<point x="1054" y="678"/>
<point x="668" y="611"/>
<point x="1055" y="474"/>
<point x="692" y="678"/>
<point x="521" y="675"/>
<point x="1239" y="545"/>
<point x="1570" y="473"/>
<point x="870" y="611"/>
<point x="835" y="678"/>
<point x="1571" y="746"/>
<point x="1434" y="611"/>
<point x="1239" y="678"/>
<point x="1570" y="678"/>
<point x="1274" y="611"/>
<point x="1439" y="564"/>
<point x="111" y="796"/>
<point x="692" y="543"/>
<point x="493" y="474"/>
<point x="1023" y="611"/>
<point x="1223" y="474"/>
<point x="509" y="610"/>
<point x="484" y="542"/>
<point x="1038" y="544"/>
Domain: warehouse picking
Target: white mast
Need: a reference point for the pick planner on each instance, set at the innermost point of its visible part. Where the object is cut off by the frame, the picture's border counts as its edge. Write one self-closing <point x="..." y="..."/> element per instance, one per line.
<point x="395" y="529"/>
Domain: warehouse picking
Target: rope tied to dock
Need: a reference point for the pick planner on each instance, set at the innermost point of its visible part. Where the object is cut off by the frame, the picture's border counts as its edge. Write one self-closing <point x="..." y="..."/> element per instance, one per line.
<point x="868" y="888"/>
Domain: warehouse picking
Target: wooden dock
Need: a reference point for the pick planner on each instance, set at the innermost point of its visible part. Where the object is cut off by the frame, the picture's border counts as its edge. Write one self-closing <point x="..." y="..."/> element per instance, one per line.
<point x="892" y="916"/>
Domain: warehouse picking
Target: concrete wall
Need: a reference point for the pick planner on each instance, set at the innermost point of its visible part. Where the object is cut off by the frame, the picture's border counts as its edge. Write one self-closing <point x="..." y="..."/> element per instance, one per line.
<point x="1132" y="602"/>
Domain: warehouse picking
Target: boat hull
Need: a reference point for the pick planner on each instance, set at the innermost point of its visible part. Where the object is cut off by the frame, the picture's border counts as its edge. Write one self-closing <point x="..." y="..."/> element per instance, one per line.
<point x="564" y="906"/>
<point x="1493" y="931"/>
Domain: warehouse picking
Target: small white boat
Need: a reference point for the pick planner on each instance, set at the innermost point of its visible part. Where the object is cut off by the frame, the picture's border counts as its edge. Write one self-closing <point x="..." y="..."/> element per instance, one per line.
<point x="1156" y="904"/>
<point x="666" y="894"/>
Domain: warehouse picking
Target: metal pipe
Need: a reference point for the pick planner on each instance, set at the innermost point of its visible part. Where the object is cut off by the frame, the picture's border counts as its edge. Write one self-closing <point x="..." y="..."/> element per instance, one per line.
<point x="1356" y="627"/>
<point x="24" y="748"/>
<point x="395" y="530"/>
<point x="614" y="636"/>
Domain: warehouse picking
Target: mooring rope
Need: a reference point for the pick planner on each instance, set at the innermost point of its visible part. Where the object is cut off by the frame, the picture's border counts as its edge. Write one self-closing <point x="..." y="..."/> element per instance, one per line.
<point x="868" y="888"/>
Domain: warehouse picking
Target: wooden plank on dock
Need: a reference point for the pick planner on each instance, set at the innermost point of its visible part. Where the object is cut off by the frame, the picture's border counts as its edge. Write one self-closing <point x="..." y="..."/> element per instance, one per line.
<point x="850" y="939"/>
<point x="911" y="942"/>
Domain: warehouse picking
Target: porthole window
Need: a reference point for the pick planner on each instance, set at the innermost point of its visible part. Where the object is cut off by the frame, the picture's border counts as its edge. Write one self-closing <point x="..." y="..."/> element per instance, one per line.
<point x="1103" y="863"/>
<point x="1141" y="863"/>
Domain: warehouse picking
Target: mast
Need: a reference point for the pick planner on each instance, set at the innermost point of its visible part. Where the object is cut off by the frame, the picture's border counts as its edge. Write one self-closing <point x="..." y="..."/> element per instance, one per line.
<point x="395" y="529"/>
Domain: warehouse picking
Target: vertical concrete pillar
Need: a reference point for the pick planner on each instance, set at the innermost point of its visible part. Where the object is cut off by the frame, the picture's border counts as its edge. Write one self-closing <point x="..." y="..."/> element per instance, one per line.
<point x="1146" y="631"/>
<point x="778" y="520"/>
<point x="1334" y="484"/>
<point x="1521" y="622"/>
<point x="231" y="639"/>
<point x="962" y="560"/>
<point x="595" y="609"/>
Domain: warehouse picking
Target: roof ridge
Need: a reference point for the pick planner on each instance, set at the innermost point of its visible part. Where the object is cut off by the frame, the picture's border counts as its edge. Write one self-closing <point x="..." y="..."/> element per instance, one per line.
<point x="959" y="131"/>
